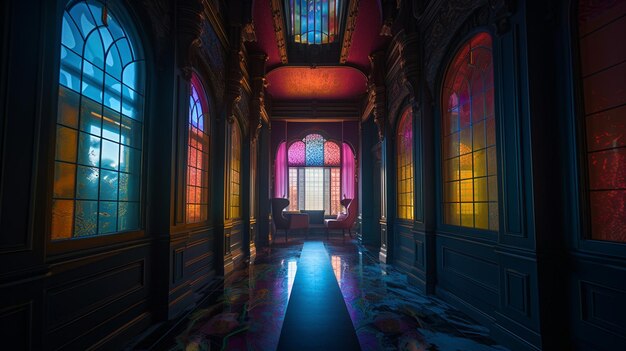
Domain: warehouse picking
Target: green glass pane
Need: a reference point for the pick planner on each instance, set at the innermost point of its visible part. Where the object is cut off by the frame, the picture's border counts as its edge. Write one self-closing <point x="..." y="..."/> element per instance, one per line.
<point x="108" y="185"/>
<point x="87" y="180"/>
<point x="88" y="150"/>
<point x="107" y="221"/>
<point x="86" y="218"/>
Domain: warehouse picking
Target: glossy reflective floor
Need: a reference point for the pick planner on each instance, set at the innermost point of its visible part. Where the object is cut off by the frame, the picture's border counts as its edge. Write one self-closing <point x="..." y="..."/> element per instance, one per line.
<point x="385" y="312"/>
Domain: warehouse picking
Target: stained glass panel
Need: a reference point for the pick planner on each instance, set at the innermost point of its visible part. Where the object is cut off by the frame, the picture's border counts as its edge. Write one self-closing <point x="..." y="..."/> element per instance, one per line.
<point x="197" y="154"/>
<point x="314" y="150"/>
<point x="101" y="84"/>
<point x="313" y="21"/>
<point x="468" y="138"/>
<point x="404" y="163"/>
<point x="296" y="154"/>
<point x="332" y="154"/>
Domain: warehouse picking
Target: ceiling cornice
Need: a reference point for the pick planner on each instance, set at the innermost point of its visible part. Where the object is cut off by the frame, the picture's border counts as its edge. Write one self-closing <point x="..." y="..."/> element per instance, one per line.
<point x="353" y="11"/>
<point x="279" y="29"/>
<point x="213" y="16"/>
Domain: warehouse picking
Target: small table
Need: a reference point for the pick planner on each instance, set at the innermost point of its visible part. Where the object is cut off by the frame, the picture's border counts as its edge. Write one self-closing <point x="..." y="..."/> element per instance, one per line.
<point x="315" y="216"/>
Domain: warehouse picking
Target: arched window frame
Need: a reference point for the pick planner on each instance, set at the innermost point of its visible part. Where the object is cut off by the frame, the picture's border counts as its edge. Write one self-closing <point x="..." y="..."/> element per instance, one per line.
<point x="453" y="201"/>
<point x="296" y="174"/>
<point x="597" y="135"/>
<point x="405" y="166"/>
<point x="236" y="144"/>
<point x="198" y="153"/>
<point x="118" y="100"/>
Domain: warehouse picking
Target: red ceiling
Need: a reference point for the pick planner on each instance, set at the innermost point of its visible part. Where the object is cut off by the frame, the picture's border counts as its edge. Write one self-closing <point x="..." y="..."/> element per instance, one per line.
<point x="320" y="83"/>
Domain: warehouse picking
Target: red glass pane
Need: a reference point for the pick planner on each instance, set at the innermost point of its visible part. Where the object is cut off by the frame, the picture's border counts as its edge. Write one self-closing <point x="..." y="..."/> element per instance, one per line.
<point x="296" y="154"/>
<point x="332" y="154"/>
<point x="607" y="169"/>
<point x="607" y="129"/>
<point x="608" y="215"/>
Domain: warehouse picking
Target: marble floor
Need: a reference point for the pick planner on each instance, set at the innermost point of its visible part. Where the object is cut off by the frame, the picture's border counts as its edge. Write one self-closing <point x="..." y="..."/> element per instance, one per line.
<point x="386" y="312"/>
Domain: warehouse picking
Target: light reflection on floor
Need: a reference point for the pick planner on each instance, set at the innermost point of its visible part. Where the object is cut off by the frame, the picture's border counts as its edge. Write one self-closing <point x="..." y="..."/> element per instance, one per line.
<point x="386" y="312"/>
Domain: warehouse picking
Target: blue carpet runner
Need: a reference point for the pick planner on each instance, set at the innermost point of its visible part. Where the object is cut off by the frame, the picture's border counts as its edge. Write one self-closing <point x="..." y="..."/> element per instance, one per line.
<point x="317" y="317"/>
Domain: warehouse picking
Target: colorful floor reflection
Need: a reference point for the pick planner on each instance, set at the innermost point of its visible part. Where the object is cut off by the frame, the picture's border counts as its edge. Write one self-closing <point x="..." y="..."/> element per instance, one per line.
<point x="386" y="312"/>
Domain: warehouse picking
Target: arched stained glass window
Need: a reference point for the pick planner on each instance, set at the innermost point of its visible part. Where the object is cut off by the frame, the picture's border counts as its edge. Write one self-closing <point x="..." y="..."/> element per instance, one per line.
<point x="601" y="25"/>
<point x="197" y="154"/>
<point x="235" y="171"/>
<point x="404" y="166"/>
<point x="314" y="174"/>
<point x="470" y="186"/>
<point x="97" y="177"/>
<point x="314" y="21"/>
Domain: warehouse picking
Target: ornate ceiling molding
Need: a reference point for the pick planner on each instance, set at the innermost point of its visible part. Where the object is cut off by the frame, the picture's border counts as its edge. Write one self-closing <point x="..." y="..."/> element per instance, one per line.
<point x="279" y="29"/>
<point x="353" y="11"/>
<point x="213" y="16"/>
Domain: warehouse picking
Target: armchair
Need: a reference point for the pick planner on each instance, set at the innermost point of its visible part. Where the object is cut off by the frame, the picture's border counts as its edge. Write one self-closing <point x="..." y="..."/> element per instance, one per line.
<point x="343" y="221"/>
<point x="291" y="221"/>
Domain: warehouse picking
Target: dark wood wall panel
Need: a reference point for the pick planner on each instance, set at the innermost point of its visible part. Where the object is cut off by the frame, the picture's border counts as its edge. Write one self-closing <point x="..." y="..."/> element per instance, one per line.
<point x="17" y="326"/>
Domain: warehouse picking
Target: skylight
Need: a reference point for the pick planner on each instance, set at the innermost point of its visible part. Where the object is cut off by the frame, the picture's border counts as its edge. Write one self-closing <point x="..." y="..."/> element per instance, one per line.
<point x="313" y="21"/>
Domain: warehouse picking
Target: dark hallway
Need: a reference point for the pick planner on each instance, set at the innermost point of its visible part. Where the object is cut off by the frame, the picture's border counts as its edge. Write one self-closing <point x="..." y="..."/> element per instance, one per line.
<point x="433" y="175"/>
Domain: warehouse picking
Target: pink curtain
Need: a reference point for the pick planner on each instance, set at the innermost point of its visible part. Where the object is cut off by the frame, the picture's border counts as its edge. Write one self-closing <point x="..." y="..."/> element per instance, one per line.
<point x="280" y="171"/>
<point x="347" y="172"/>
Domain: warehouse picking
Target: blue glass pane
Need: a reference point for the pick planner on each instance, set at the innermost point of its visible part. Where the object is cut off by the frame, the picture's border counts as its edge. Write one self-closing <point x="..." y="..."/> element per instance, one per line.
<point x="111" y="125"/>
<point x="314" y="150"/>
<point x="86" y="218"/>
<point x="131" y="160"/>
<point x="108" y="185"/>
<point x="115" y="28"/>
<point x="133" y="76"/>
<point x="94" y="51"/>
<point x="114" y="63"/>
<point x="83" y="18"/>
<point x="131" y="132"/>
<point x="132" y="103"/>
<point x="112" y="93"/>
<point x="110" y="155"/>
<point x="107" y="39"/>
<point x="70" y="36"/>
<point x="93" y="80"/>
<point x="107" y="223"/>
<point x="129" y="187"/>
<point x="192" y="107"/>
<point x="96" y="11"/>
<point x="125" y="52"/>
<point x="88" y="150"/>
<point x="87" y="183"/>
<point x="90" y="116"/>
<point x="69" y="74"/>
<point x="128" y="216"/>
<point x="201" y="122"/>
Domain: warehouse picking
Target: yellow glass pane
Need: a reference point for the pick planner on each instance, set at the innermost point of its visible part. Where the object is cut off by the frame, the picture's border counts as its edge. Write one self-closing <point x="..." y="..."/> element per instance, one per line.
<point x="480" y="189"/>
<point x="451" y="192"/>
<point x="492" y="162"/>
<point x="68" y="107"/>
<point x="64" y="180"/>
<point x="467" y="190"/>
<point x="451" y="145"/>
<point x="492" y="185"/>
<point x="480" y="163"/>
<point x="452" y="214"/>
<point x="62" y="218"/>
<point x="467" y="214"/>
<point x="451" y="169"/>
<point x="66" y="144"/>
<point x="466" y="141"/>
<point x="466" y="166"/>
<point x="481" y="215"/>
<point x="493" y="216"/>
<point x="491" y="131"/>
<point x="479" y="135"/>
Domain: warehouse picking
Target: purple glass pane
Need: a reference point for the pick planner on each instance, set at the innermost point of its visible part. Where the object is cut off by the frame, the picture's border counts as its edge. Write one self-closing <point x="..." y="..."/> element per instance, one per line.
<point x="296" y="154"/>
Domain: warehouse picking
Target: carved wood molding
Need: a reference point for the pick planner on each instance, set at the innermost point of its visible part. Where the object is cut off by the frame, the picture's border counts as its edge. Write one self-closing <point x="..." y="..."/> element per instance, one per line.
<point x="279" y="29"/>
<point x="353" y="11"/>
<point x="213" y="16"/>
<point x="376" y="100"/>
<point x="258" y="114"/>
